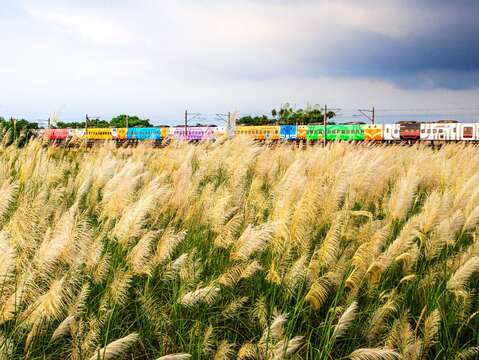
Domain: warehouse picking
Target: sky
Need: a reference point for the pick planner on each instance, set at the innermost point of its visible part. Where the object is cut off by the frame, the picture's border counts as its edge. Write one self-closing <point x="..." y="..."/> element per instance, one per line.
<point x="409" y="59"/>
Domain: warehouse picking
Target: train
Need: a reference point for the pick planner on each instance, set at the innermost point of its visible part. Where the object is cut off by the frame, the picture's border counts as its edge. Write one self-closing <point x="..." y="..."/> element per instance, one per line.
<point x="404" y="131"/>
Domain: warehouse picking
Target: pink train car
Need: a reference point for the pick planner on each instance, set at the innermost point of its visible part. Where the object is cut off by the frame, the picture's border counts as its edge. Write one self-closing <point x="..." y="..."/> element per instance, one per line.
<point x="194" y="133"/>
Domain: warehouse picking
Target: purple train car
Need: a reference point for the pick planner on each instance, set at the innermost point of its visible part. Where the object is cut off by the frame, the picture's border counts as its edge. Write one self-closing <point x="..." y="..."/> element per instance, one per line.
<point x="195" y="133"/>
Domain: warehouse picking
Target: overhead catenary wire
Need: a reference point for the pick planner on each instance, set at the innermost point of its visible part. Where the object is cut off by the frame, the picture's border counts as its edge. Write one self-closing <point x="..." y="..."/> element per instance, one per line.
<point x="463" y="113"/>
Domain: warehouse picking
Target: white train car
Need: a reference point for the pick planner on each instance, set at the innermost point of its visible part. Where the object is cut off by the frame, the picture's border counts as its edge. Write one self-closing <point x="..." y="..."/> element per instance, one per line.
<point x="440" y="131"/>
<point x="391" y="132"/>
<point x="220" y="131"/>
<point x="78" y="133"/>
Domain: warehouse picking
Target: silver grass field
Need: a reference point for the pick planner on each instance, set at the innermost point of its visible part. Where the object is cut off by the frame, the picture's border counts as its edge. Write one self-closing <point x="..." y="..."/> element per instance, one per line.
<point x="234" y="250"/>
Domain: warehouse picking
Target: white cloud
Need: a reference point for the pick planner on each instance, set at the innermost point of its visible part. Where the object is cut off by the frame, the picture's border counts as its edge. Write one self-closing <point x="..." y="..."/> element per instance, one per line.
<point x="96" y="27"/>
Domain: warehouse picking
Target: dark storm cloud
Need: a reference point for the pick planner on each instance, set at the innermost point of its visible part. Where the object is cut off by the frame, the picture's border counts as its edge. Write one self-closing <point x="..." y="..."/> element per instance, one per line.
<point x="446" y="55"/>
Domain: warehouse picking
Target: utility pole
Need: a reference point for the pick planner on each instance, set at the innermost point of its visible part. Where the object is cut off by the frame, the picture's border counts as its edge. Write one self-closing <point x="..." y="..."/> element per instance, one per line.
<point x="186" y="124"/>
<point x="365" y="112"/>
<point x="230" y="122"/>
<point x="86" y="130"/>
<point x="325" y="120"/>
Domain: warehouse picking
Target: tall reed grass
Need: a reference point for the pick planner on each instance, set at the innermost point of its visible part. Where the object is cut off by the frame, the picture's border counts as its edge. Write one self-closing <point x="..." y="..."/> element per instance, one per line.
<point x="239" y="251"/>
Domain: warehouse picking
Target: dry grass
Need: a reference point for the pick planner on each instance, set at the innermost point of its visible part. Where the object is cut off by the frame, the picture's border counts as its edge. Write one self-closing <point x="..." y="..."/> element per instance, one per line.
<point x="237" y="250"/>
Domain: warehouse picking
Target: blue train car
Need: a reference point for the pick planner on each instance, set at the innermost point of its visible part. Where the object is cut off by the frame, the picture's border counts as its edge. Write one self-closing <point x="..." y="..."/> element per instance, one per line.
<point x="288" y="132"/>
<point x="143" y="134"/>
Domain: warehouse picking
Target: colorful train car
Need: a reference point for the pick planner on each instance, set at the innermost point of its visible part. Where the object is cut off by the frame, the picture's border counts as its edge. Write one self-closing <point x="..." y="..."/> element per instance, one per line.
<point x="56" y="134"/>
<point x="373" y="132"/>
<point x="439" y="132"/>
<point x="301" y="132"/>
<point x="269" y="132"/>
<point x="288" y="132"/>
<point x="391" y="132"/>
<point x="78" y="134"/>
<point x="340" y="132"/>
<point x="220" y="131"/>
<point x="345" y="132"/>
<point x="409" y="130"/>
<point x="98" y="134"/>
<point x="143" y="134"/>
<point x="315" y="132"/>
<point x="121" y="134"/>
<point x="194" y="133"/>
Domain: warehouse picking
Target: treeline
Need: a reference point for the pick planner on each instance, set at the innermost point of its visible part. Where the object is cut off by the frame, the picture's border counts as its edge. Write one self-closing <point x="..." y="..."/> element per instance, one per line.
<point x="17" y="132"/>
<point x="289" y="116"/>
<point x="117" y="122"/>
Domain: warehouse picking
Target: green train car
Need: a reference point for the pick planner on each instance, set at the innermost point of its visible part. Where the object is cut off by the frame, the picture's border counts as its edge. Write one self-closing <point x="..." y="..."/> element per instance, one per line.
<point x="345" y="132"/>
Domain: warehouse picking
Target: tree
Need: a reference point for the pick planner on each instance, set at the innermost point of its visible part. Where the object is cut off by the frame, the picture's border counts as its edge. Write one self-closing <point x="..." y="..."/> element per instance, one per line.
<point x="117" y="122"/>
<point x="133" y="121"/>
<point x="289" y="116"/>
<point x="19" y="131"/>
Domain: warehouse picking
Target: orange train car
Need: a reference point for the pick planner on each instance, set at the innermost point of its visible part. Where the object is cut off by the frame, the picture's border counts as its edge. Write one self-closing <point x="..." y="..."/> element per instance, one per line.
<point x="373" y="132"/>
<point x="301" y="133"/>
<point x="121" y="134"/>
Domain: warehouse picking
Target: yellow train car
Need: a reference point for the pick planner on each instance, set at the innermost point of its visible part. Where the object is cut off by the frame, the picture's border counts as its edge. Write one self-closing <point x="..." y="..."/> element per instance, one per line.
<point x="99" y="134"/>
<point x="270" y="132"/>
<point x="373" y="132"/>
<point x="244" y="130"/>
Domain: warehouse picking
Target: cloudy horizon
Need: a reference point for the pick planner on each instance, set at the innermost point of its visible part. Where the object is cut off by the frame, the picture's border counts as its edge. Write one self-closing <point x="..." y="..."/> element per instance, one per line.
<point x="155" y="59"/>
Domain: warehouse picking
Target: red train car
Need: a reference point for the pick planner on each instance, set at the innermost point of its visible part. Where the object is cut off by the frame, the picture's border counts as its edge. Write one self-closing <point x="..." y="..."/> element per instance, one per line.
<point x="56" y="134"/>
<point x="409" y="130"/>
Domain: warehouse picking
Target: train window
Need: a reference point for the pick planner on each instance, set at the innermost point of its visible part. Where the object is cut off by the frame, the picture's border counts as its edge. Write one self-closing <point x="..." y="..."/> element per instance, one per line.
<point x="387" y="130"/>
<point x="434" y="131"/>
<point x="441" y="131"/>
<point x="428" y="131"/>
<point x="395" y="131"/>
<point x="468" y="131"/>
<point x="423" y="131"/>
<point x="453" y="129"/>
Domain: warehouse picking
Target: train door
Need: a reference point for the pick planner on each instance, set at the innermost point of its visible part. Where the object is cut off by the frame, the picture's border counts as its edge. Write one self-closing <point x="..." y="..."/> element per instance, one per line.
<point x="288" y="132"/>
